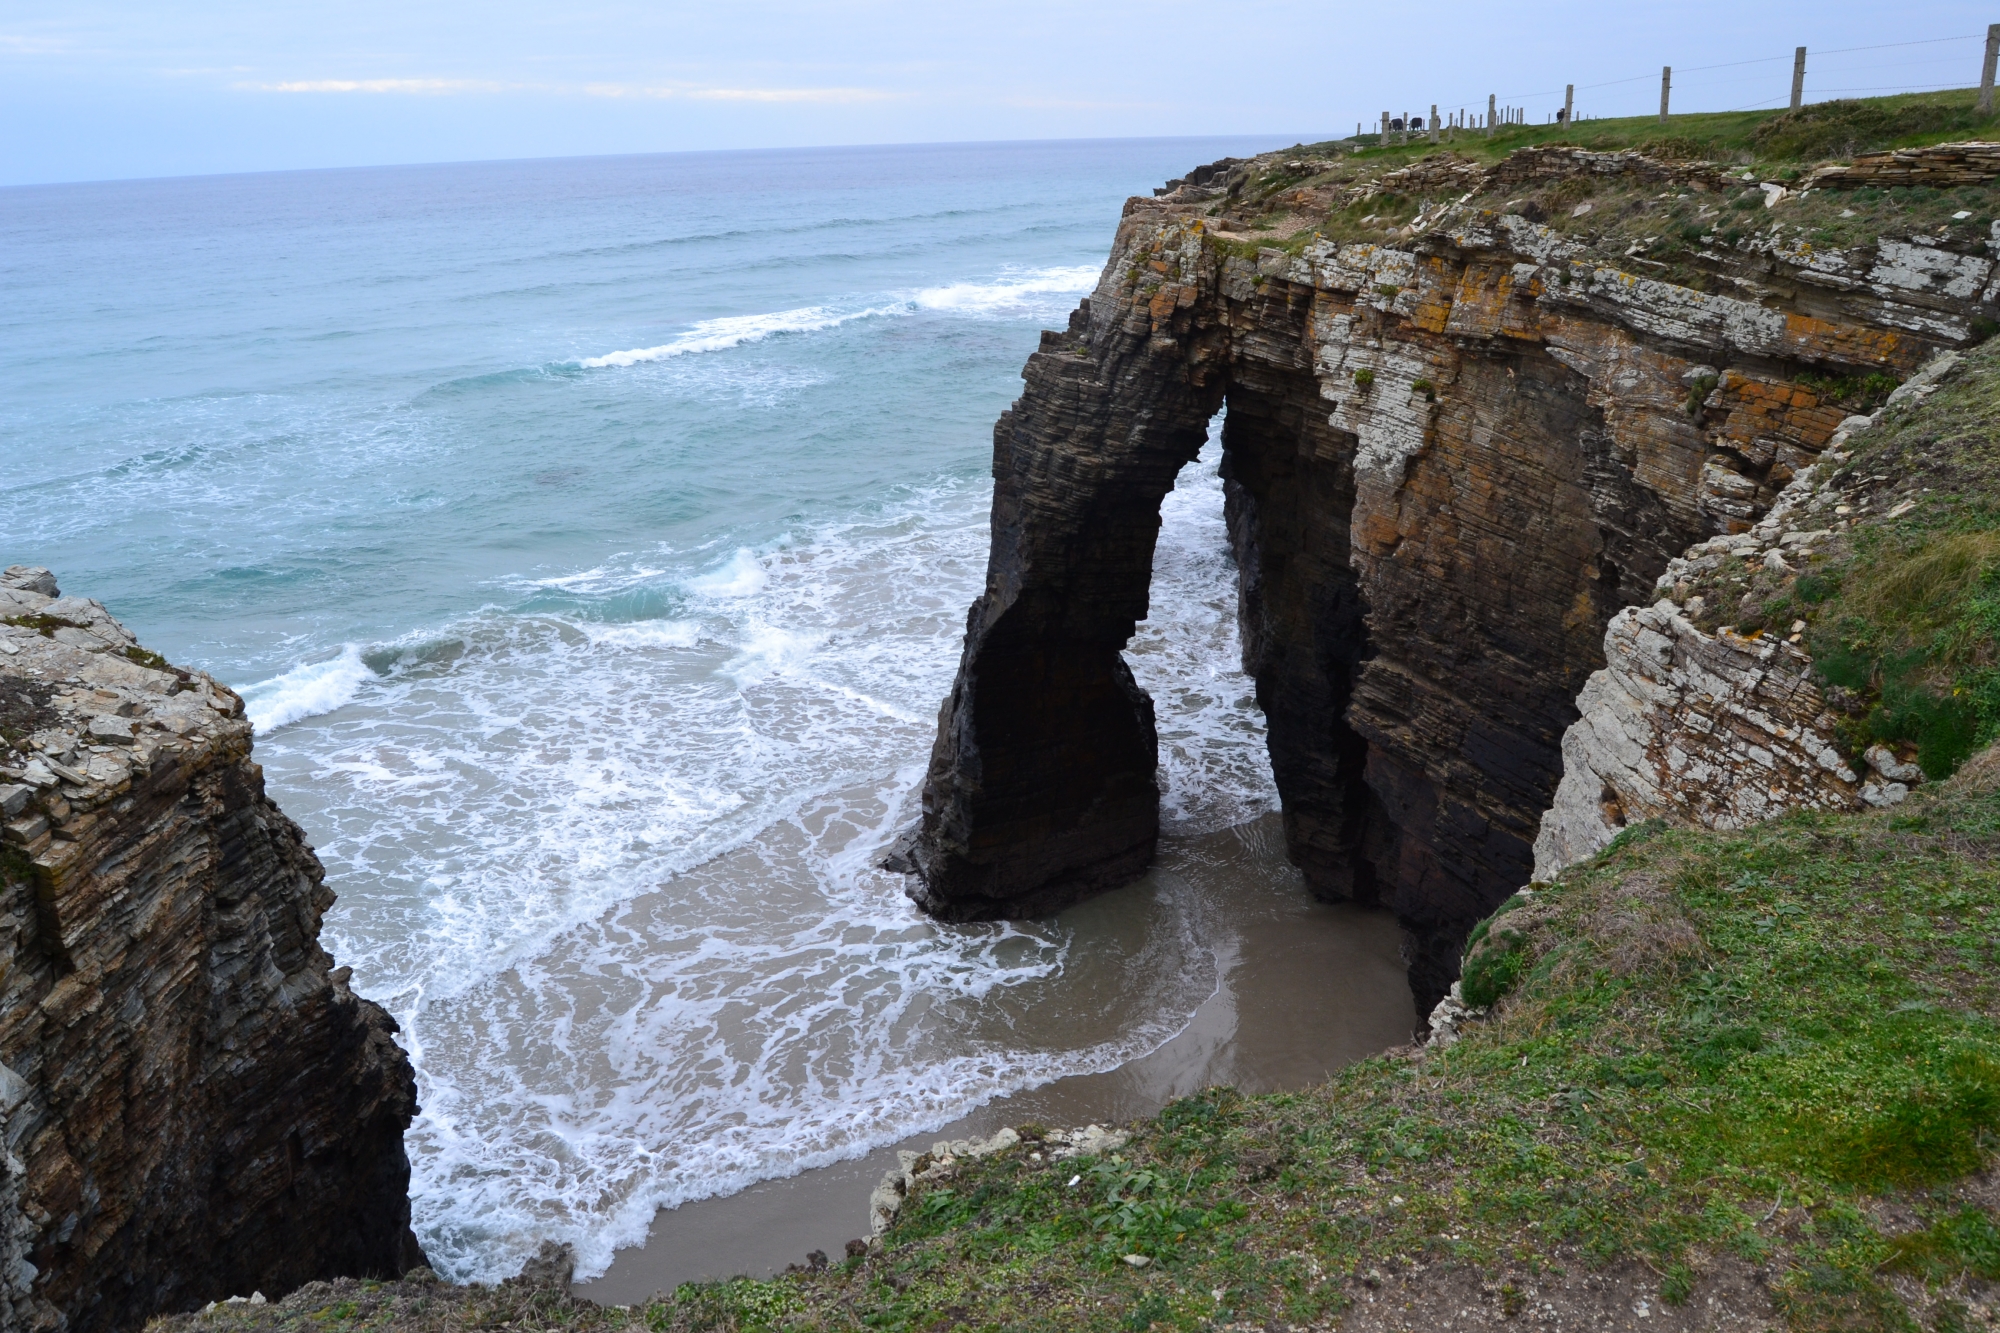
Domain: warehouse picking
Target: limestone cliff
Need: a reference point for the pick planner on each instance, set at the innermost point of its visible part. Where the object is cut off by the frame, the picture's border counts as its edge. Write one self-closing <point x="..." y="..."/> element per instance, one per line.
<point x="194" y="1102"/>
<point x="1472" y="413"/>
<point x="1714" y="725"/>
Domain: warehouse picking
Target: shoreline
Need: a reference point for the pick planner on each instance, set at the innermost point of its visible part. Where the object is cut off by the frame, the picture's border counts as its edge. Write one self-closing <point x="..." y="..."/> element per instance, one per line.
<point x="1273" y="946"/>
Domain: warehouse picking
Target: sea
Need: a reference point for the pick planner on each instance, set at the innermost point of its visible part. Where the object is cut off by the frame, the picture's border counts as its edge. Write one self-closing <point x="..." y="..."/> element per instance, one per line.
<point x="592" y="540"/>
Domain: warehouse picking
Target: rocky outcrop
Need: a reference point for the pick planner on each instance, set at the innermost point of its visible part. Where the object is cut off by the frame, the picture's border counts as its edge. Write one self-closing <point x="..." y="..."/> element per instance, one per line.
<point x="1042" y="786"/>
<point x="1722" y="730"/>
<point x="1451" y="460"/>
<point x="1940" y="165"/>
<point x="946" y="1155"/>
<point x="194" y="1102"/>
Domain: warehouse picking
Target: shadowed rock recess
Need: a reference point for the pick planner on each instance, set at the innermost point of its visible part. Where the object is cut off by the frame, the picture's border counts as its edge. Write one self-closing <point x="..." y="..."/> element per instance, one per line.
<point x="194" y="1103"/>
<point x="1450" y="460"/>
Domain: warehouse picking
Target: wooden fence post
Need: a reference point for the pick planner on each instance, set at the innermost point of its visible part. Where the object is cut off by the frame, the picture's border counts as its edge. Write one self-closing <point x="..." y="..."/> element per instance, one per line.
<point x="1798" y="77"/>
<point x="1434" y="122"/>
<point x="1492" y="105"/>
<point x="1666" y="87"/>
<point x="1385" y="128"/>
<point x="1569" y="105"/>
<point x="1986" y="69"/>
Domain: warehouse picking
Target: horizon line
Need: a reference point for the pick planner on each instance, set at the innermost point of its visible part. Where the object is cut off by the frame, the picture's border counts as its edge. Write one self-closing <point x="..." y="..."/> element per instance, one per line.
<point x="667" y="152"/>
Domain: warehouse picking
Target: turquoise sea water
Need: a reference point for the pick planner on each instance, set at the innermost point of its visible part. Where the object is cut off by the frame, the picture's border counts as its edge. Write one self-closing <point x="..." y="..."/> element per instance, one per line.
<point x="592" y="539"/>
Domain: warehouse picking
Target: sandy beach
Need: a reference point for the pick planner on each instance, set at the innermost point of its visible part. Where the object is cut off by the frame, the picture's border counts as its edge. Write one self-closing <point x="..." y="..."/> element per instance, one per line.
<point x="1304" y="988"/>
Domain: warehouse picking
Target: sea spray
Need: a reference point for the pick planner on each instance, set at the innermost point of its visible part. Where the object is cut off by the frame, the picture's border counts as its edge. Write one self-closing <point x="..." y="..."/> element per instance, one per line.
<point x="307" y="690"/>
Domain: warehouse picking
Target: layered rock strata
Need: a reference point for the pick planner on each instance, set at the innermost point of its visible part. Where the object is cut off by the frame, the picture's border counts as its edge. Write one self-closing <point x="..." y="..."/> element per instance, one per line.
<point x="194" y="1101"/>
<point x="1721" y="730"/>
<point x="1450" y="461"/>
<point x="1940" y="165"/>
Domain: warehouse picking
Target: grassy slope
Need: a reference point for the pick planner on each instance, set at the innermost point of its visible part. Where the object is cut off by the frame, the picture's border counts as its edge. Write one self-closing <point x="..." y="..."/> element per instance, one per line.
<point x="1903" y="616"/>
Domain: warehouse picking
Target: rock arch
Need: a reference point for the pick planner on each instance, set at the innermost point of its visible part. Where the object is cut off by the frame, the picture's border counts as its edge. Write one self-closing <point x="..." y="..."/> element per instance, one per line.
<point x="1447" y="466"/>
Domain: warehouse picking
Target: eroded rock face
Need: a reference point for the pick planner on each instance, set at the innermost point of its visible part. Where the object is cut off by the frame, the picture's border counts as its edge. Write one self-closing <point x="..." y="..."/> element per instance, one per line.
<point x="1450" y="462"/>
<point x="1042" y="785"/>
<point x="1721" y="730"/>
<point x="194" y="1102"/>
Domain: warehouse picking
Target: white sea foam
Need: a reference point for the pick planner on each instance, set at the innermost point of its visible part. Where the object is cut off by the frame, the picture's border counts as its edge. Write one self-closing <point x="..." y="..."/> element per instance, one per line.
<point x="1014" y="294"/>
<point x="1028" y="291"/>
<point x="1187" y="654"/>
<point x="646" y="634"/>
<point x="307" y="690"/>
<point x="617" y="881"/>
<point x="603" y="578"/>
<point x="742" y="575"/>
<point x="767" y="649"/>
<point x="717" y="335"/>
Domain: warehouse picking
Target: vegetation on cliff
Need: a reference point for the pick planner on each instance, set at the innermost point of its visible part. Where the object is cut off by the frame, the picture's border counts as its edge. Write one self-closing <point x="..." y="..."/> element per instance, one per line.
<point x="1368" y="191"/>
<point x="1910" y="623"/>
<point x="1902" y="614"/>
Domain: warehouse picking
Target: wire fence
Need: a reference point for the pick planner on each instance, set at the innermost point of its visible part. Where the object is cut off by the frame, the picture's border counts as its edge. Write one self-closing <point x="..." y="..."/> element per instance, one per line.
<point x="1955" y="64"/>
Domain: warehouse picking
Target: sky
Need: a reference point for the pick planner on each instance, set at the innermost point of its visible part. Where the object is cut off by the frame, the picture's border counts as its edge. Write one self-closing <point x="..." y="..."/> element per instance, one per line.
<point x="109" y="89"/>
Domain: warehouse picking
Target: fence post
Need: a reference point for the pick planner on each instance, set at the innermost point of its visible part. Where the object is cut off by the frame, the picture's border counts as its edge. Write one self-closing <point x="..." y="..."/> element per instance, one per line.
<point x="1385" y="129"/>
<point x="1798" y="77"/>
<point x="1492" y="109"/>
<point x="1666" y="87"/>
<point x="1434" y="122"/>
<point x="1986" y="69"/>
<point x="1569" y="105"/>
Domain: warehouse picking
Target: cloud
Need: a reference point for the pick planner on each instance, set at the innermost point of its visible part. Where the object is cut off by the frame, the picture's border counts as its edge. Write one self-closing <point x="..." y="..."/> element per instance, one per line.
<point x="27" y="46"/>
<point x="445" y="87"/>
<point x="738" y="94"/>
<point x="430" y="87"/>
<point x="789" y="94"/>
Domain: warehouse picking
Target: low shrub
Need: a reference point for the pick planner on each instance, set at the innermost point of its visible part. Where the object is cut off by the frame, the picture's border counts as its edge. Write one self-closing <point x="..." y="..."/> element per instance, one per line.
<point x="1848" y="126"/>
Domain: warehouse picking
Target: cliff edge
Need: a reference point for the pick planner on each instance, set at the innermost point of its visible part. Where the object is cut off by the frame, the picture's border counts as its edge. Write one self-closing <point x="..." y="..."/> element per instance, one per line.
<point x="194" y="1102"/>
<point x="1473" y="411"/>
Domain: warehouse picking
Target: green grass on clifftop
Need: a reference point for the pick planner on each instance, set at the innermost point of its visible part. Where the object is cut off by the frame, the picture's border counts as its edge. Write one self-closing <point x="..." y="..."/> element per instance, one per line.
<point x="1816" y="132"/>
<point x="1680" y="234"/>
<point x="1911" y="622"/>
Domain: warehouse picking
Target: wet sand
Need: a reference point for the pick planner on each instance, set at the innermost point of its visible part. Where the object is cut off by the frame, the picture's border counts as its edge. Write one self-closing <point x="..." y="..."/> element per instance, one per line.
<point x="1303" y="989"/>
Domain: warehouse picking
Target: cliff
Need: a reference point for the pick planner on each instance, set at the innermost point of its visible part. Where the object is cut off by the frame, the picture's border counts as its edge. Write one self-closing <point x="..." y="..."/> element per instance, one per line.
<point x="194" y="1102"/>
<point x="1472" y="412"/>
<point x="1720" y="725"/>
